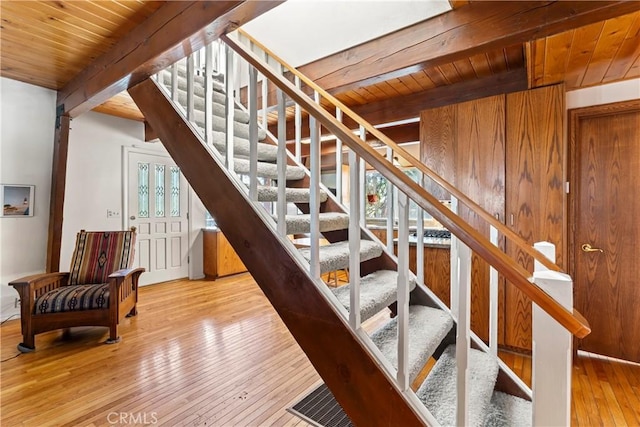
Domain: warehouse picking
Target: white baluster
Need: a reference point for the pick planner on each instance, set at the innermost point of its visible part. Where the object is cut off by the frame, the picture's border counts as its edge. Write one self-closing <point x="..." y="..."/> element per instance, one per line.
<point x="314" y="204"/>
<point x="453" y="285"/>
<point x="298" y="124"/>
<point x="390" y="205"/>
<point x="253" y="133"/>
<point x="339" y="160"/>
<point x="493" y="298"/>
<point x="463" y="329"/>
<point x="420" y="237"/>
<point x="208" y="94"/>
<point x="174" y="82"/>
<point x="403" y="291"/>
<point x="551" y="348"/>
<point x="190" y="99"/>
<point x="282" y="164"/>
<point x="354" y="239"/>
<point x="265" y="101"/>
<point x="229" y="107"/>
<point x="363" y="181"/>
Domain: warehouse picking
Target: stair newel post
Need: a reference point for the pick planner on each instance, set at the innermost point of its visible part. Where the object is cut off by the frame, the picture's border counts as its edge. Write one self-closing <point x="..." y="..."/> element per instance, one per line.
<point x="362" y="172"/>
<point x="298" y="124"/>
<point x="354" y="239"/>
<point x="493" y="298"/>
<point x="420" y="237"/>
<point x="339" y="160"/>
<point x="390" y="205"/>
<point x="314" y="197"/>
<point x="253" y="133"/>
<point x="190" y="100"/>
<point x="463" y="336"/>
<point x="281" y="207"/>
<point x="403" y="291"/>
<point x="229" y="74"/>
<point x="208" y="94"/>
<point x="552" y="352"/>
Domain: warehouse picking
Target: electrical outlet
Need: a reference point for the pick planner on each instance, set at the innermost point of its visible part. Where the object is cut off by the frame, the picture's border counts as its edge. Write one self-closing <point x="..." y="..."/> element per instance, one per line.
<point x="113" y="213"/>
<point x="16" y="303"/>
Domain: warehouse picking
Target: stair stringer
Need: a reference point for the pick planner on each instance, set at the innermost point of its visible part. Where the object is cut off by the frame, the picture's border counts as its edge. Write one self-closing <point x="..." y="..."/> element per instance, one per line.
<point x="357" y="380"/>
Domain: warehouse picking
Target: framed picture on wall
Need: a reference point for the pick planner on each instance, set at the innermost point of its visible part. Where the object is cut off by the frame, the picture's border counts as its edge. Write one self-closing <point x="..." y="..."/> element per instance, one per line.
<point x="17" y="200"/>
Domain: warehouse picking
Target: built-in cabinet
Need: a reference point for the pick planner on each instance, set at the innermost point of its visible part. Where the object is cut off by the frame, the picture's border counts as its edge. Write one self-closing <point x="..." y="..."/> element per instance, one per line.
<point x="219" y="257"/>
<point x="505" y="153"/>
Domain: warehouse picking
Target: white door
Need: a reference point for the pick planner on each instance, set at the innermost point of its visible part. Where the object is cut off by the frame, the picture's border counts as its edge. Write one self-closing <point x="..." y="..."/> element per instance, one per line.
<point x="157" y="207"/>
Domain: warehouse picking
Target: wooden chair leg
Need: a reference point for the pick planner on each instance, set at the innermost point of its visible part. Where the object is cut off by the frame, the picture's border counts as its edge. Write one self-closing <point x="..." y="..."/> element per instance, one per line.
<point x="28" y="344"/>
<point x="113" y="334"/>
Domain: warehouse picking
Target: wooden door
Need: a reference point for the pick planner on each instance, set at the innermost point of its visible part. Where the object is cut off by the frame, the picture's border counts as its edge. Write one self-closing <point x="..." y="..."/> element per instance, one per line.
<point x="157" y="207"/>
<point x="606" y="206"/>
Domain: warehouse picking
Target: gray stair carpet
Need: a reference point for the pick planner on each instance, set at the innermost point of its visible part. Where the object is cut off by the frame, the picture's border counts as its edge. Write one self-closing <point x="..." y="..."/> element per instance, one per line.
<point x="241" y="147"/>
<point x="507" y="411"/>
<point x="219" y="108"/>
<point x="293" y="195"/>
<point x="329" y="221"/>
<point x="240" y="130"/>
<point x="438" y="392"/>
<point x="198" y="81"/>
<point x="336" y="255"/>
<point x="268" y="170"/>
<point x="377" y="291"/>
<point x="427" y="328"/>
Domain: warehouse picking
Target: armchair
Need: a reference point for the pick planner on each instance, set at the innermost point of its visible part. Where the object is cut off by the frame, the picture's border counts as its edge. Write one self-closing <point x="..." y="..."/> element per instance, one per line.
<point x="100" y="289"/>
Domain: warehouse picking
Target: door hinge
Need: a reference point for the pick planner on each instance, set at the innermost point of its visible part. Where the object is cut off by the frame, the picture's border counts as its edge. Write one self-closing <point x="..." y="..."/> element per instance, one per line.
<point x="59" y="113"/>
<point x="187" y="215"/>
<point x="188" y="259"/>
<point x="566" y="187"/>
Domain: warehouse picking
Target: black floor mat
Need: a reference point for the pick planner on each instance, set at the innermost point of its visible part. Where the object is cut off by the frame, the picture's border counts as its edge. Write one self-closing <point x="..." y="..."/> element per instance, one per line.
<point x="320" y="408"/>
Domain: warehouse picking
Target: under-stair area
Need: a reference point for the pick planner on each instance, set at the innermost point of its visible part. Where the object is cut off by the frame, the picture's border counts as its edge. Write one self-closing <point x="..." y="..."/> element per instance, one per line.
<point x="262" y="196"/>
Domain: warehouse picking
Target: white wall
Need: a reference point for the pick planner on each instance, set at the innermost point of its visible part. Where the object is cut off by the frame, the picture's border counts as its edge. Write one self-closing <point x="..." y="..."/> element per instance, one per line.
<point x="27" y="123"/>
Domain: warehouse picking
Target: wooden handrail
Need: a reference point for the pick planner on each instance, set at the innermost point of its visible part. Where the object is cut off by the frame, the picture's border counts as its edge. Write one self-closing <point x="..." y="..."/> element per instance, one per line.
<point x="512" y="271"/>
<point x="443" y="183"/>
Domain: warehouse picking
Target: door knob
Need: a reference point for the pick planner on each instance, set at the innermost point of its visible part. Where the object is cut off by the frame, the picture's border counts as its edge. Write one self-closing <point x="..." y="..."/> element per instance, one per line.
<point x="586" y="247"/>
<point x="132" y="217"/>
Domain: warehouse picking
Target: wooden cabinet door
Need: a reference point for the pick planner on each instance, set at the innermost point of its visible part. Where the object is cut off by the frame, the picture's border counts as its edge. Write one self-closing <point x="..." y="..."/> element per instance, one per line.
<point x="535" y="196"/>
<point x="465" y="144"/>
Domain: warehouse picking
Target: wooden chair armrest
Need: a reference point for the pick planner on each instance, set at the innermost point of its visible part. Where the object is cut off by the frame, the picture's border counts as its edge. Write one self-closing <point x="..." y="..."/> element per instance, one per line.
<point x="122" y="274"/>
<point x="31" y="286"/>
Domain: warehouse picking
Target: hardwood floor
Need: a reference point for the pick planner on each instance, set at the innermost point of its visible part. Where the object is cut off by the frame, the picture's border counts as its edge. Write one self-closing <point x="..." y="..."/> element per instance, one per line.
<point x="215" y="353"/>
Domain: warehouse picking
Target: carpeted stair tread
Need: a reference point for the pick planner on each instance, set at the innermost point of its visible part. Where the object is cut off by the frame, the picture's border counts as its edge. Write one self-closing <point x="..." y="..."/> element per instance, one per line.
<point x="377" y="291"/>
<point x="329" y="221"/>
<point x="240" y="130"/>
<point x="219" y="108"/>
<point x="438" y="392"/>
<point x="506" y="411"/>
<point x="198" y="81"/>
<point x="293" y="195"/>
<point x="427" y="328"/>
<point x="335" y="256"/>
<point x="268" y="170"/>
<point x="241" y="147"/>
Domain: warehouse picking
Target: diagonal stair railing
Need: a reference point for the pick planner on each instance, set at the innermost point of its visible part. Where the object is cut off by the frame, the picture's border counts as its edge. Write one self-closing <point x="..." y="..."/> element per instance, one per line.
<point x="216" y="144"/>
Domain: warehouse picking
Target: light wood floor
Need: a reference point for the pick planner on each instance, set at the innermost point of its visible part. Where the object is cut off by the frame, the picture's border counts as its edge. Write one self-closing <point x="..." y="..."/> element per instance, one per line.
<point x="215" y="353"/>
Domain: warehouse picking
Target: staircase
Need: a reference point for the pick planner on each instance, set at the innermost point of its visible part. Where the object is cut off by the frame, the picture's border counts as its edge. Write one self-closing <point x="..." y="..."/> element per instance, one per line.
<point x="261" y="196"/>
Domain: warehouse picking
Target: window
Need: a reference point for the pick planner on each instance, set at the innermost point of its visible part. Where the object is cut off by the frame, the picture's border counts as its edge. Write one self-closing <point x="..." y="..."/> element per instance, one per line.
<point x="376" y="186"/>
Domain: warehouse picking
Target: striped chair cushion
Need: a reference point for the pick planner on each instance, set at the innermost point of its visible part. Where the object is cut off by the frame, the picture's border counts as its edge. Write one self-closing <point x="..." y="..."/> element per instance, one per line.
<point x="100" y="253"/>
<point x="73" y="298"/>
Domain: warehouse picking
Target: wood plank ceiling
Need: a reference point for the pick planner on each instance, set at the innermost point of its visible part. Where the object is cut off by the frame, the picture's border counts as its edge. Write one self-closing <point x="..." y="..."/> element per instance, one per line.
<point x="46" y="43"/>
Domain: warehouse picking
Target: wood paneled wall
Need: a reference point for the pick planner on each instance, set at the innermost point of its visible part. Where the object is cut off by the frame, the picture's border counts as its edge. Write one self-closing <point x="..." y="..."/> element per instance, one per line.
<point x="506" y="153"/>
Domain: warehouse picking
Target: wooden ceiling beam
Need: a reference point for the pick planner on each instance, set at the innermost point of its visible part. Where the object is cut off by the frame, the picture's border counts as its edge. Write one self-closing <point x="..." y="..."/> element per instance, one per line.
<point x="172" y="32"/>
<point x="475" y="28"/>
<point x="409" y="106"/>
